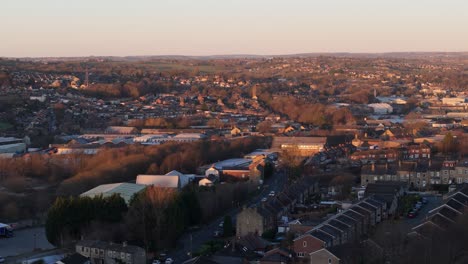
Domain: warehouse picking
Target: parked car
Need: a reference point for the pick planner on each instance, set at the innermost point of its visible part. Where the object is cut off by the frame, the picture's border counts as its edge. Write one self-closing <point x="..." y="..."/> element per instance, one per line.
<point x="156" y="261"/>
<point x="424" y="200"/>
<point x="217" y="233"/>
<point x="264" y="199"/>
<point x="418" y="206"/>
<point x="2" y="259"/>
<point x="272" y="193"/>
<point x="221" y="224"/>
<point x="412" y="214"/>
<point x="169" y="261"/>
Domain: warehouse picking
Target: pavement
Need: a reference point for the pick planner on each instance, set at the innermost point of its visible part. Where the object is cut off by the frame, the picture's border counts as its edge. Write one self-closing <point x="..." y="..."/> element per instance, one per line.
<point x="191" y="242"/>
<point x="24" y="241"/>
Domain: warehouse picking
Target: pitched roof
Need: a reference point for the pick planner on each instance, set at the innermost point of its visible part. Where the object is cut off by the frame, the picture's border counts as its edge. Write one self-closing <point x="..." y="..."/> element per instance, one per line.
<point x="110" y="246"/>
<point x="74" y="258"/>
<point x="279" y="141"/>
<point x="165" y="181"/>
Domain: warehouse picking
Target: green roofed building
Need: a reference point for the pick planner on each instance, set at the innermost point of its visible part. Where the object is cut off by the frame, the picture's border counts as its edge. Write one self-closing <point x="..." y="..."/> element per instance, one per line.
<point x="124" y="189"/>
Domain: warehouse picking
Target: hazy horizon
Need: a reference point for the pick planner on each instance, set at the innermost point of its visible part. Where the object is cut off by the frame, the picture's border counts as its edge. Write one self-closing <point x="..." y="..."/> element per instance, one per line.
<point x="54" y="28"/>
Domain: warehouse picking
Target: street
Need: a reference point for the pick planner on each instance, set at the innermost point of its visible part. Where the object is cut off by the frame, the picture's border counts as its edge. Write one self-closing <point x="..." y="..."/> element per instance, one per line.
<point x="192" y="241"/>
<point x="432" y="202"/>
<point x="24" y="241"/>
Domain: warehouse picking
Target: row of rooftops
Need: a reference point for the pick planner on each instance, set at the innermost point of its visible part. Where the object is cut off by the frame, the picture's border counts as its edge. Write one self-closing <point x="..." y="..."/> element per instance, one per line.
<point x="272" y="207"/>
<point x="412" y="166"/>
<point x="454" y="205"/>
<point x="110" y="246"/>
<point x="343" y="221"/>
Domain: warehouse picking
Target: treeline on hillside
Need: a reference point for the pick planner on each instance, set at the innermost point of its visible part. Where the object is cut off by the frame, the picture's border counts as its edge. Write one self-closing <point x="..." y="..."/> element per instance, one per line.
<point x="124" y="164"/>
<point x="308" y="113"/>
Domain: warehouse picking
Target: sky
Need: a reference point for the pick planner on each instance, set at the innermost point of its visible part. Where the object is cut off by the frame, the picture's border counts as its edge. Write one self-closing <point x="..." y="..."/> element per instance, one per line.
<point x="58" y="28"/>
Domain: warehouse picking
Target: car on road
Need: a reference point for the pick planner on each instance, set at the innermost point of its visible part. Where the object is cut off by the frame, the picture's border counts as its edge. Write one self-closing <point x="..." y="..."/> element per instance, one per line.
<point x="169" y="261"/>
<point x="412" y="214"/>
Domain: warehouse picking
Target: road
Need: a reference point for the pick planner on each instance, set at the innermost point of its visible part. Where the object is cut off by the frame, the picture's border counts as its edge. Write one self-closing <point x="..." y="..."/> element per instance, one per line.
<point x="194" y="240"/>
<point x="432" y="202"/>
<point x="24" y="241"/>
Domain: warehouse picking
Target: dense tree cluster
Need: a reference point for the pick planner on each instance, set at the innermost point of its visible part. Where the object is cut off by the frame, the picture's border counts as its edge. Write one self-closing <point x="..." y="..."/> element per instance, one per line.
<point x="158" y="216"/>
<point x="70" y="218"/>
<point x="124" y="164"/>
<point x="308" y="113"/>
<point x="66" y="175"/>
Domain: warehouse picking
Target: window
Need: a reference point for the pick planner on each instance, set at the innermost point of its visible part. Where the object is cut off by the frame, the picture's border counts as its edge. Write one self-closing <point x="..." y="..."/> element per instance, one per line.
<point x="329" y="260"/>
<point x="304" y="243"/>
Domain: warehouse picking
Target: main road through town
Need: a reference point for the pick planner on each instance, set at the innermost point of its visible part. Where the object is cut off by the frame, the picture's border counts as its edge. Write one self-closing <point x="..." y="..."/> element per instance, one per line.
<point x="192" y="241"/>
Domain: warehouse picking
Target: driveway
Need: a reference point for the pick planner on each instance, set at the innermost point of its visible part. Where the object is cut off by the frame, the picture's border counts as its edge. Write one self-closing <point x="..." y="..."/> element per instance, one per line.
<point x="24" y="241"/>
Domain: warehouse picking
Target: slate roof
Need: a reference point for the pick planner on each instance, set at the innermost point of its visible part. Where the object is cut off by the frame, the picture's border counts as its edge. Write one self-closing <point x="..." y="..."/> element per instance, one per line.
<point x="74" y="258"/>
<point x="339" y="224"/>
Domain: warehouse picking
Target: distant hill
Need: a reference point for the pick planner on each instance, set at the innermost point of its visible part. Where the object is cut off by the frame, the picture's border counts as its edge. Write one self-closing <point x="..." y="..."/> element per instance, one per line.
<point x="398" y="55"/>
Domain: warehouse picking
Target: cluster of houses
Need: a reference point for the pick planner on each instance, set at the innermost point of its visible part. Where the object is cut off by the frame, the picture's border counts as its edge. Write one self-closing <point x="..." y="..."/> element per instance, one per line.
<point x="418" y="174"/>
<point x="99" y="252"/>
<point x="322" y="241"/>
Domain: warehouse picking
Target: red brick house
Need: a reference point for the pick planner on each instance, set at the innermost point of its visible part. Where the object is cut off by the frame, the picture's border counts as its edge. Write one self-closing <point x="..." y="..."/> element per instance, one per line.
<point x="306" y="244"/>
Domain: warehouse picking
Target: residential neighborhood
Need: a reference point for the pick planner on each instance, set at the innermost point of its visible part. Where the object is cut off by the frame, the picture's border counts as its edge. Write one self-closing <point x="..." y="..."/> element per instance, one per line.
<point x="302" y="159"/>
